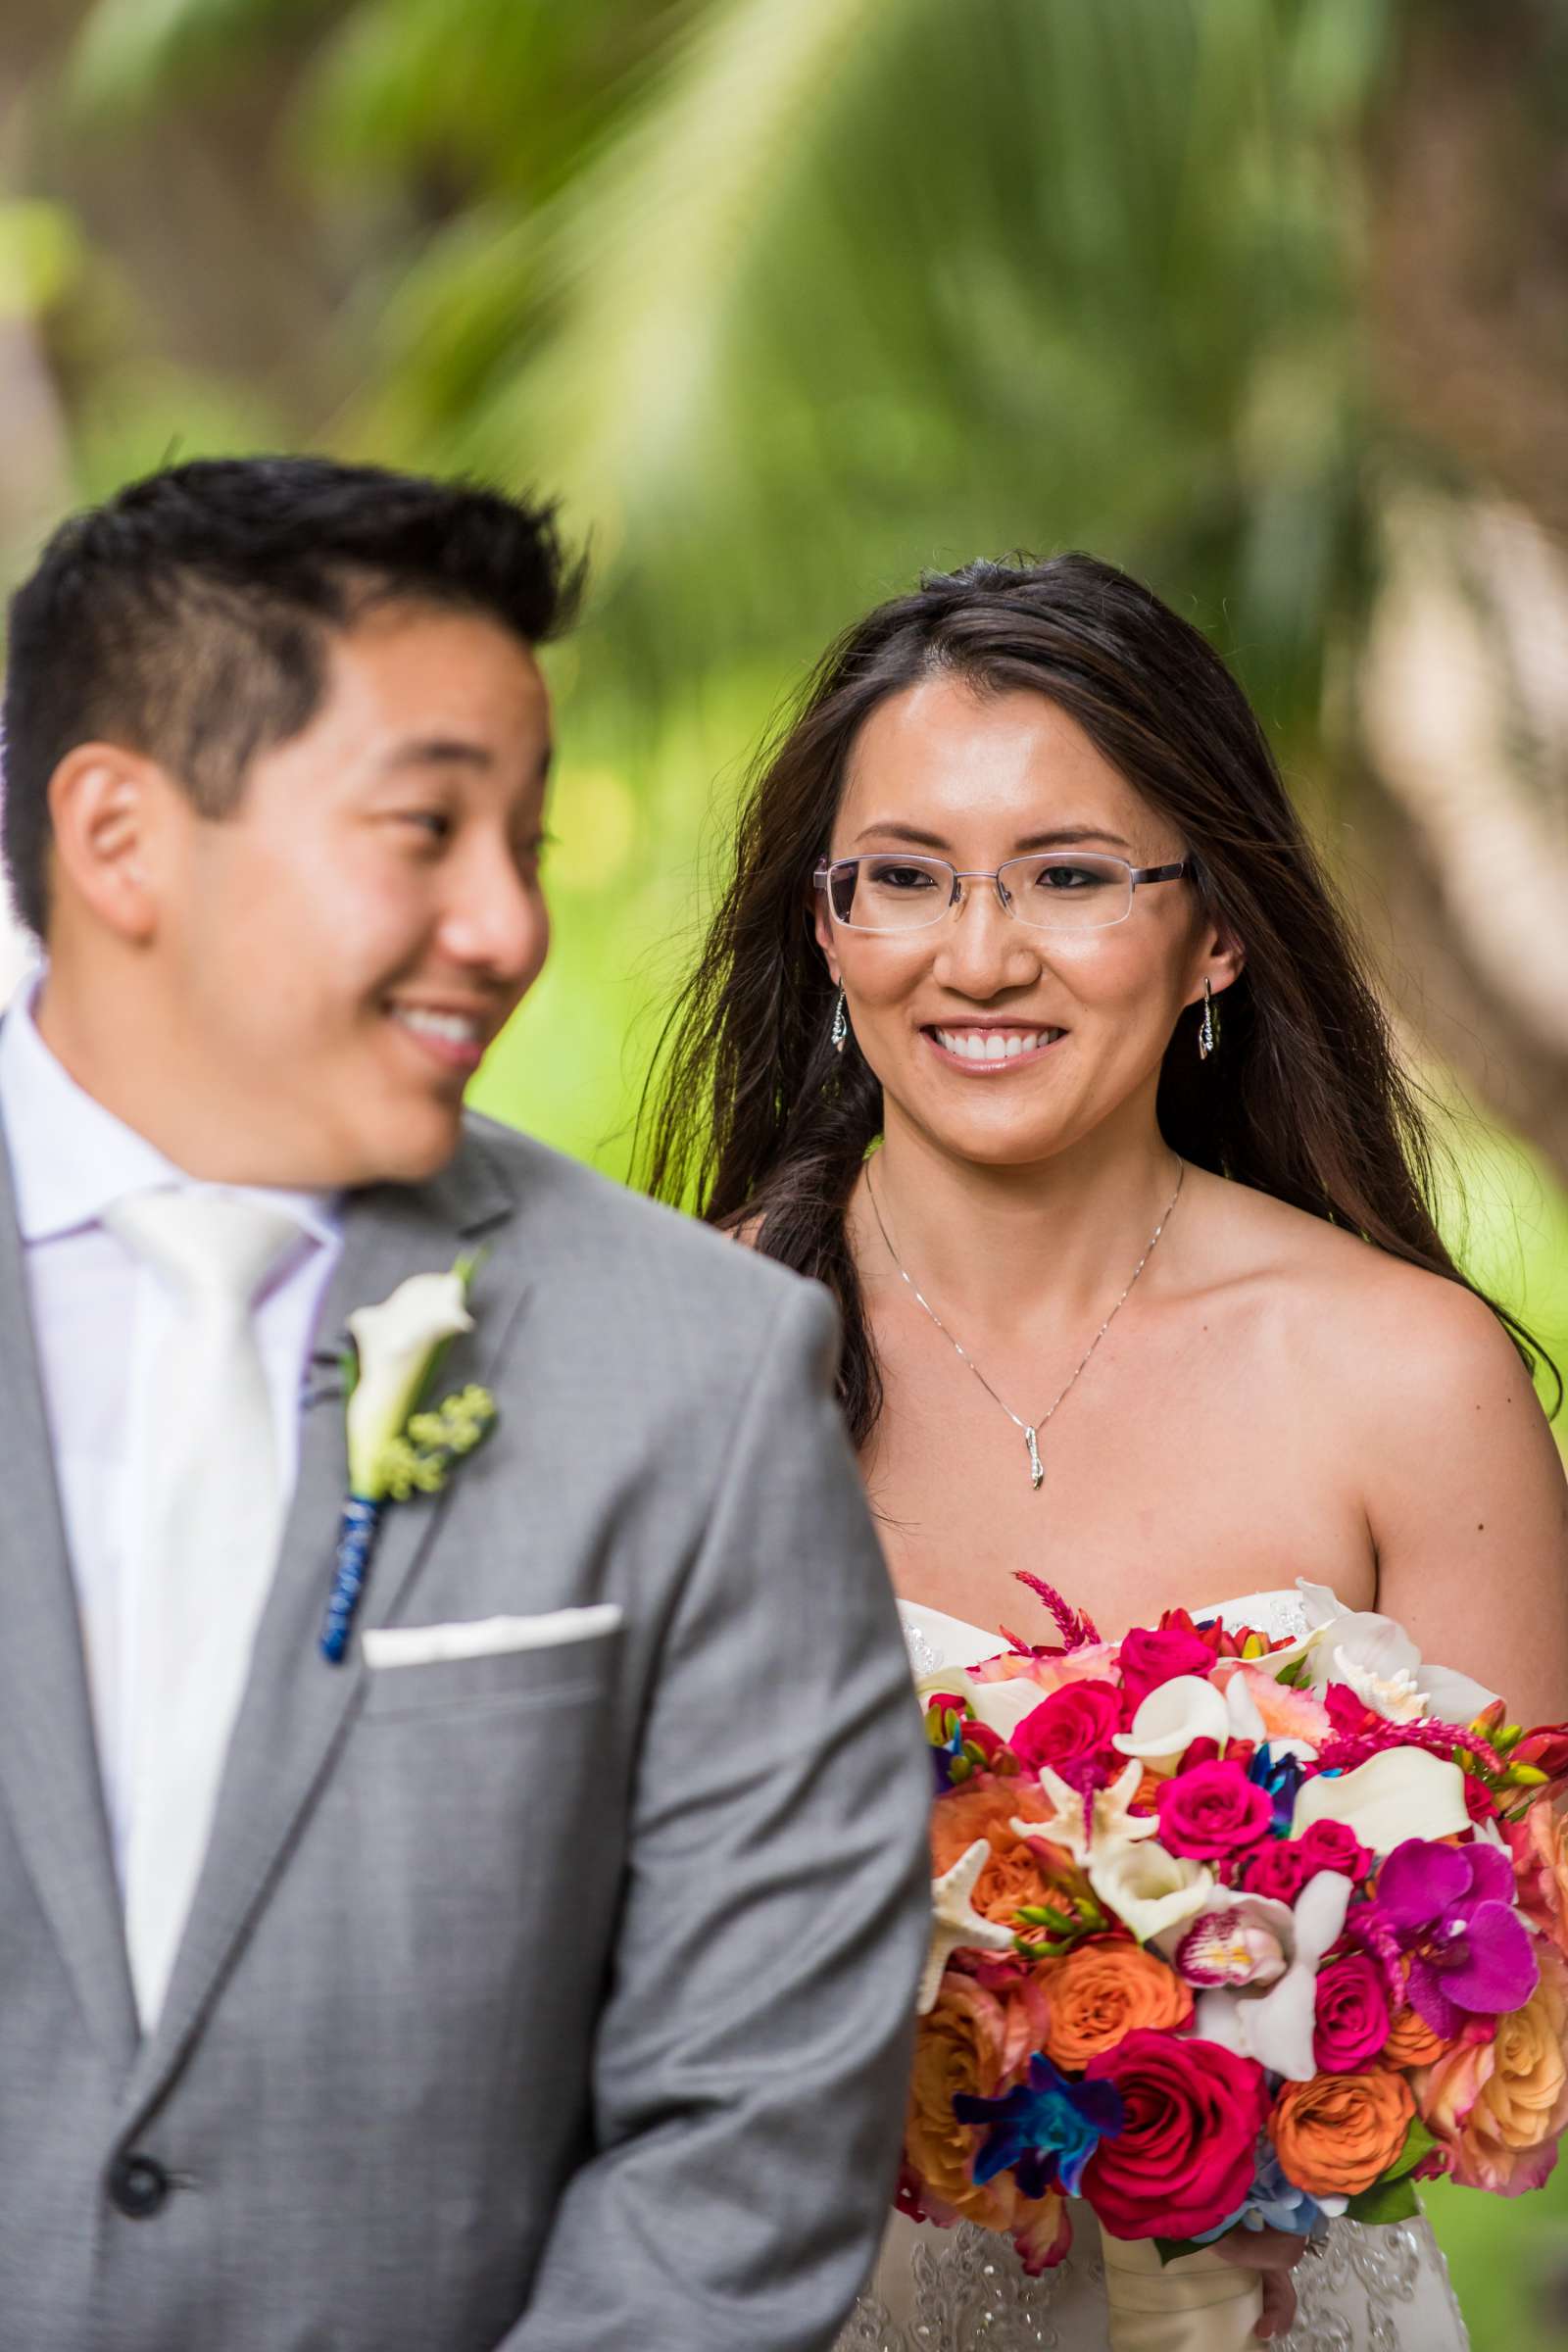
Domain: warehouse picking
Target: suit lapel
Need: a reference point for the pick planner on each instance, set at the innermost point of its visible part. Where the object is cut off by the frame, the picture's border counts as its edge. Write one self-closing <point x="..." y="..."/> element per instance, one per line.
<point x="296" y="1708"/>
<point x="49" y="1769"/>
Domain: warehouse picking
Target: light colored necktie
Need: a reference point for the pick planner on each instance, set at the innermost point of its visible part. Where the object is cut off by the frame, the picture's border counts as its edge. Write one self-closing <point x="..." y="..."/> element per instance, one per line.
<point x="212" y="1499"/>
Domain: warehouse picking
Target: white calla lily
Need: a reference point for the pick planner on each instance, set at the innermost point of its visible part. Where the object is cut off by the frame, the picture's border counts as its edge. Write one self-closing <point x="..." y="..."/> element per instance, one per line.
<point x="1403" y="1792"/>
<point x="1172" y="1717"/>
<point x="1276" y="2027"/>
<point x="1185" y="1709"/>
<point x="1149" y="1890"/>
<point x="396" y="1343"/>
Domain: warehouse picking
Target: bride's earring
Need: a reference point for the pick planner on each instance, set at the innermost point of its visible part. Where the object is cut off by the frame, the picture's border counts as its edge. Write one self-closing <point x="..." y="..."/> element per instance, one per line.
<point x="841" y="1024"/>
<point x="1208" y="1026"/>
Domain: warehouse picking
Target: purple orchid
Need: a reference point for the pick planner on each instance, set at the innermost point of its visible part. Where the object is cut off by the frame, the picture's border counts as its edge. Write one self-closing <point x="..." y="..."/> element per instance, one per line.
<point x="1451" y="1908"/>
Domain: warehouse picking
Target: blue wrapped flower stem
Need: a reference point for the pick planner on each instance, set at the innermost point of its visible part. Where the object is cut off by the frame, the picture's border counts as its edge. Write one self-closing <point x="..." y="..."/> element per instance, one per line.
<point x="356" y="1541"/>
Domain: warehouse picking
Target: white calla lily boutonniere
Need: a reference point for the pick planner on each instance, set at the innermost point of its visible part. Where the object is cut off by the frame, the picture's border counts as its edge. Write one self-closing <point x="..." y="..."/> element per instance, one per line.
<point x="395" y="1449"/>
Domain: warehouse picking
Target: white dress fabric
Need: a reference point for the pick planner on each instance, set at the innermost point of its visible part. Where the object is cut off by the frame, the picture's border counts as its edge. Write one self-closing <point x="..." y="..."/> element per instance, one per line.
<point x="1383" y="2289"/>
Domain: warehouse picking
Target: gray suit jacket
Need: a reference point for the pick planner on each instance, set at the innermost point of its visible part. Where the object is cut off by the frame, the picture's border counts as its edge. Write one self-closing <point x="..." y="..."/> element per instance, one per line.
<point x="541" y="2002"/>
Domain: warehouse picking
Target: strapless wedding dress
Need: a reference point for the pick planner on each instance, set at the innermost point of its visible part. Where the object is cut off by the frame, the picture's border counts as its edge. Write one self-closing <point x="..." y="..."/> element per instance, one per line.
<point x="1379" y="2289"/>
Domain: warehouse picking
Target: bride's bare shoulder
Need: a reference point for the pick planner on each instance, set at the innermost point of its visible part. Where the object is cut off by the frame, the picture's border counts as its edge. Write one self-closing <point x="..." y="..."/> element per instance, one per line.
<point x="1383" y="1319"/>
<point x="1407" y="1377"/>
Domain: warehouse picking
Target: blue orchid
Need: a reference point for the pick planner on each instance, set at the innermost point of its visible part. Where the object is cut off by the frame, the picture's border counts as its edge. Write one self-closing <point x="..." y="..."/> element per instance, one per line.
<point x="1280" y="1777"/>
<point x="1043" y="2131"/>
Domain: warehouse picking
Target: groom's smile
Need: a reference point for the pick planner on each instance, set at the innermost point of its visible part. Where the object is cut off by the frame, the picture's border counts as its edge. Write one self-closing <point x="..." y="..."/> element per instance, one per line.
<point x="454" y="1039"/>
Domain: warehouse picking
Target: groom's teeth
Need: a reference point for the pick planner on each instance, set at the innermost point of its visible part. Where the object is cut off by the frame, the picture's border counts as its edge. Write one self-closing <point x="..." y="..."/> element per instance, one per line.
<point x="456" y="1028"/>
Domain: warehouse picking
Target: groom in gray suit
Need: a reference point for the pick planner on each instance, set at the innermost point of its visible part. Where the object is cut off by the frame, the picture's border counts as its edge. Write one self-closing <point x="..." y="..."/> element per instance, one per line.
<point x="535" y="1977"/>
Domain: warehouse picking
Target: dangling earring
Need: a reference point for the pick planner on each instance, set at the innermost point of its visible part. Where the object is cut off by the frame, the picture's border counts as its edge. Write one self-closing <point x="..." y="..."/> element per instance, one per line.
<point x="841" y="1024"/>
<point x="1208" y="1026"/>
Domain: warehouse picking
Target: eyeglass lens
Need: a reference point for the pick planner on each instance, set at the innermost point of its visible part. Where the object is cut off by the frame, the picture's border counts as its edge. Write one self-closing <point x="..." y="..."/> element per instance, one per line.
<point x="1059" y="891"/>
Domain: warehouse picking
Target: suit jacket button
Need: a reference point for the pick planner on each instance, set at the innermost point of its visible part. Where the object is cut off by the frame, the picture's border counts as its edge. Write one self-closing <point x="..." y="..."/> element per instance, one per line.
<point x="138" y="2185"/>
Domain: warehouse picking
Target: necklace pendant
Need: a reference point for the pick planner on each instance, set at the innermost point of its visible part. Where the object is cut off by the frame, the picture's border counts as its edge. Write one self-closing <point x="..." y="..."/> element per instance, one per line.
<point x="1037" y="1468"/>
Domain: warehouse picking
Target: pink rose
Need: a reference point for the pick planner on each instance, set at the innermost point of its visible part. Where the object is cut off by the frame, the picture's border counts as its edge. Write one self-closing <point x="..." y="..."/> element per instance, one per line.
<point x="1211" y="1812"/>
<point x="1149" y="1659"/>
<point x="1352" y="2016"/>
<point x="1184" y="2158"/>
<point x="1071" y="1732"/>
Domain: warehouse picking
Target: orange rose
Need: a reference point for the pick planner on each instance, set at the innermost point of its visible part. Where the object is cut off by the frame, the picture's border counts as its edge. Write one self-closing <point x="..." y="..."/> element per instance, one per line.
<point x="975" y="2041"/>
<point x="1411" y="2042"/>
<point x="1100" y="1990"/>
<point x="1338" y="2134"/>
<point x="1498" y="2106"/>
<point x="1015" y="1875"/>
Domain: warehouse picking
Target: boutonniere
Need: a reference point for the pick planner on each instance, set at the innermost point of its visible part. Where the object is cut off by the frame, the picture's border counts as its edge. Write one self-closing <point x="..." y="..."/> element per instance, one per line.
<point x="396" y="1449"/>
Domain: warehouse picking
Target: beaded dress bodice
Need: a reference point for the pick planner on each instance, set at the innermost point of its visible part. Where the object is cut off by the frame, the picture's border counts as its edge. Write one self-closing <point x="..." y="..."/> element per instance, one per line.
<point x="1383" y="2289"/>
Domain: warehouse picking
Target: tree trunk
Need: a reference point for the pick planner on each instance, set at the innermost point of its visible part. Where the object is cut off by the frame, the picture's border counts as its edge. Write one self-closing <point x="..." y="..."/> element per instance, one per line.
<point x="1461" y="696"/>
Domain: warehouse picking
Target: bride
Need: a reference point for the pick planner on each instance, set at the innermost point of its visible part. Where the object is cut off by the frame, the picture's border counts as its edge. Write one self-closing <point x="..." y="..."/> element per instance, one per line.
<point x="1030" y="1025"/>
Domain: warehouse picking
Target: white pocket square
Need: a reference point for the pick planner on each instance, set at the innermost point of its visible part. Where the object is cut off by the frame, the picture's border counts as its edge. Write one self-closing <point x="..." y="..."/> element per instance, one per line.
<point x="487" y="1637"/>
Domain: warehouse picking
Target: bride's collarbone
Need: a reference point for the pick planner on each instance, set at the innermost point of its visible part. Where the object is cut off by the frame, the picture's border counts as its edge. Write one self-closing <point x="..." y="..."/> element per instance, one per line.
<point x="1125" y="1529"/>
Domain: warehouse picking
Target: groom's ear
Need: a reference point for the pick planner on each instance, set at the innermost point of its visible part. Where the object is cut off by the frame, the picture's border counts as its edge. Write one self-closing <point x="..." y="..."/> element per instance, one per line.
<point x="108" y="807"/>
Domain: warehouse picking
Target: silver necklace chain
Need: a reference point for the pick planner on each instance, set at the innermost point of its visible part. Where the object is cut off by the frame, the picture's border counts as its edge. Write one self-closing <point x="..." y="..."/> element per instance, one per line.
<point x="1031" y="1429"/>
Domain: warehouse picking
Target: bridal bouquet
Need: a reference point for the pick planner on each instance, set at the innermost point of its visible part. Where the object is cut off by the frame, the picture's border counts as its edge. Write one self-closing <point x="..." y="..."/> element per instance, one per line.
<point x="1233" y="1931"/>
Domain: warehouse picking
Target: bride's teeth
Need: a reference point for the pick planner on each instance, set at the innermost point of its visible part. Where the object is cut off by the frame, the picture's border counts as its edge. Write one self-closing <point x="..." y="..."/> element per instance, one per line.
<point x="455" y="1027"/>
<point x="979" y="1044"/>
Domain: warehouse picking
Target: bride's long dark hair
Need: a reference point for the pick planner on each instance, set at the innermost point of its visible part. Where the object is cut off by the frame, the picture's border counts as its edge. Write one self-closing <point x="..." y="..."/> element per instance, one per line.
<point x="752" y="1117"/>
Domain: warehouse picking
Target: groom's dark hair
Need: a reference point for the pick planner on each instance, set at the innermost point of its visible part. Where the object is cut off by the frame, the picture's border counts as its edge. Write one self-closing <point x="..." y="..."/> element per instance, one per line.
<point x="189" y="618"/>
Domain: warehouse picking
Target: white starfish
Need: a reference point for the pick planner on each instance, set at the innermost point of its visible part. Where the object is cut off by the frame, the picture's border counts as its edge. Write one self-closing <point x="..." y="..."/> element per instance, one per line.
<point x="1114" y="1821"/>
<point x="956" y="1924"/>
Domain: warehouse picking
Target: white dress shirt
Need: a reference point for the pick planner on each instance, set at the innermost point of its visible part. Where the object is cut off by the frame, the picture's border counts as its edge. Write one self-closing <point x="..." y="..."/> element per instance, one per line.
<point x="98" y="1315"/>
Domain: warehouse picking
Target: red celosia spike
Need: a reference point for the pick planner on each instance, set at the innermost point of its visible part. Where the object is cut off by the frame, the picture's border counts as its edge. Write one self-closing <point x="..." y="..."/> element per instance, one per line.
<point x="1076" y="1627"/>
<point x="1437" y="1738"/>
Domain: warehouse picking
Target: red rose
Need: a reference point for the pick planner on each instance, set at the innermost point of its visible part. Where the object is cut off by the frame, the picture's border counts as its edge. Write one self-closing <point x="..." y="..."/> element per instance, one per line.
<point x="1070" y="1731"/>
<point x="1184" y="2159"/>
<point x="1282" y="1868"/>
<point x="1330" y="1845"/>
<point x="1279" y="1869"/>
<point x="1212" y="1811"/>
<point x="1352" y="2016"/>
<point x="1148" y="1659"/>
